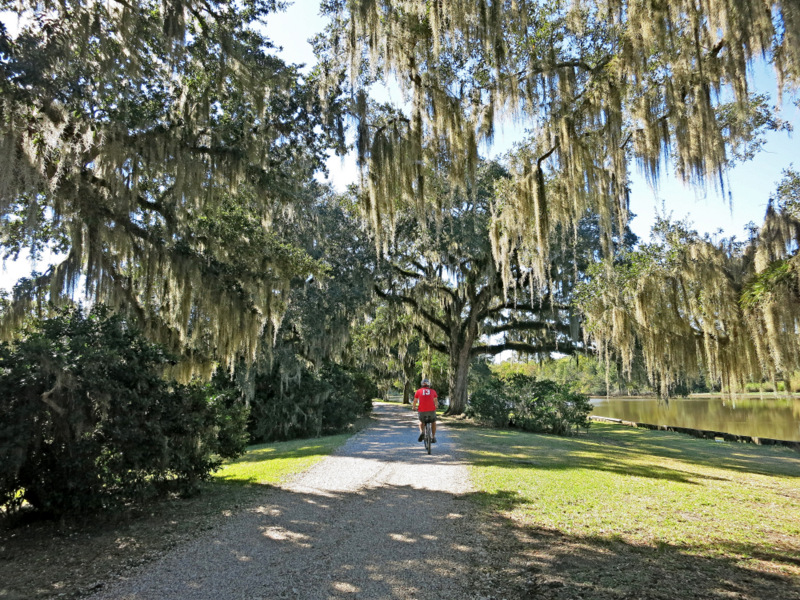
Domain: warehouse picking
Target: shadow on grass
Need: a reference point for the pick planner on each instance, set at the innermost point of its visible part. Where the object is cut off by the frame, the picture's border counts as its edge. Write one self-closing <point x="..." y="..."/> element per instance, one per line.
<point x="618" y="449"/>
<point x="612" y="462"/>
<point x="532" y="562"/>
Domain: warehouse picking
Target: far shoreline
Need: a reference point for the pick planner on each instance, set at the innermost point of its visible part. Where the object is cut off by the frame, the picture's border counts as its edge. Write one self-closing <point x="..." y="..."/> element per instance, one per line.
<point x="705" y="395"/>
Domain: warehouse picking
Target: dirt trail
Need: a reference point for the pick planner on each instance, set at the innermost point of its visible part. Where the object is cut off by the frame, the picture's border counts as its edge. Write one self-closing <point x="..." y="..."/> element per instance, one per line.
<point x="378" y="519"/>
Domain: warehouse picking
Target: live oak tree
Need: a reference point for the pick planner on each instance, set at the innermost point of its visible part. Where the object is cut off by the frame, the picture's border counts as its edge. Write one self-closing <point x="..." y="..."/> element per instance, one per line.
<point x="155" y="143"/>
<point x="324" y="309"/>
<point x="729" y="310"/>
<point x="312" y="375"/>
<point x="600" y="85"/>
<point x="441" y="274"/>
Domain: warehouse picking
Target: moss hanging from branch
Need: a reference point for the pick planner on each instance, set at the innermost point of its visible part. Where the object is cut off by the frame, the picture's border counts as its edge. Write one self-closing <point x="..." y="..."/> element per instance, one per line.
<point x="605" y="83"/>
<point x="728" y="310"/>
<point x="161" y="140"/>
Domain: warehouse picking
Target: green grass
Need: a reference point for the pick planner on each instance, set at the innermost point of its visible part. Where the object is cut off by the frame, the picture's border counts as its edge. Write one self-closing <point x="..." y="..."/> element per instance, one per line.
<point x="272" y="463"/>
<point x="646" y="489"/>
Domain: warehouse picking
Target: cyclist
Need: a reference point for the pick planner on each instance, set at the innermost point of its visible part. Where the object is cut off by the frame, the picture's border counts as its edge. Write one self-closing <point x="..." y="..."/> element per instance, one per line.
<point x="426" y="400"/>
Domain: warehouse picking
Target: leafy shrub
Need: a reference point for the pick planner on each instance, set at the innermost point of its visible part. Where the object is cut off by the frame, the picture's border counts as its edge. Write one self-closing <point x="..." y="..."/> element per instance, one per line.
<point x="490" y="403"/>
<point x="548" y="407"/>
<point x="309" y="405"/>
<point x="87" y="422"/>
<point x="541" y="406"/>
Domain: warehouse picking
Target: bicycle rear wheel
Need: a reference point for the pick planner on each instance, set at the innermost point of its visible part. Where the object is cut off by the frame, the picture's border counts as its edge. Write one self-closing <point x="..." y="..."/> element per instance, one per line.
<point x="428" y="437"/>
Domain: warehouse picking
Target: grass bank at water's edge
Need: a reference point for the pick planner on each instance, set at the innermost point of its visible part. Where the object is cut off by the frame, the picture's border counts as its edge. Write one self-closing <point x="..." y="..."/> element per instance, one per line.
<point x="612" y="513"/>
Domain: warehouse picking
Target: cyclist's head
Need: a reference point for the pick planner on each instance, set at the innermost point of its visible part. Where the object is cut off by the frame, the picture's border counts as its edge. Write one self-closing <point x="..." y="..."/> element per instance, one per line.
<point x="426" y="383"/>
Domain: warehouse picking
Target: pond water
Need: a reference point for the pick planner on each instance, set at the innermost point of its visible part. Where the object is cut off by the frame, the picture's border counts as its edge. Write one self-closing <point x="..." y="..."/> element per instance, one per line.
<point x="777" y="418"/>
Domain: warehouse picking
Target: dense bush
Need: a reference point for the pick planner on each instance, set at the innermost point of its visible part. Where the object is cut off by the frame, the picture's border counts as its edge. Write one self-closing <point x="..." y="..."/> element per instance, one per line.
<point x="87" y="422"/>
<point x="548" y="407"/>
<point x="309" y="405"/>
<point x="489" y="402"/>
<point x="522" y="401"/>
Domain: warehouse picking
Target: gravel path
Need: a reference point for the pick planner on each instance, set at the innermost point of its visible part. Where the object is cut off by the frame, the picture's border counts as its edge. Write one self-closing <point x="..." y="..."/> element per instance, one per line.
<point x="378" y="519"/>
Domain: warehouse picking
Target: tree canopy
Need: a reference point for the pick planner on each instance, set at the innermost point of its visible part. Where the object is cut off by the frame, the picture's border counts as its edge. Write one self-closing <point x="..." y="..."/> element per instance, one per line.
<point x="167" y="152"/>
<point x="154" y="143"/>
<point x="599" y="85"/>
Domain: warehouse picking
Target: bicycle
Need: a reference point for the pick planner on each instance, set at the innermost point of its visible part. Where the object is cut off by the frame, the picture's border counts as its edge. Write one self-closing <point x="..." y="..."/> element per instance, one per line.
<point x="428" y="436"/>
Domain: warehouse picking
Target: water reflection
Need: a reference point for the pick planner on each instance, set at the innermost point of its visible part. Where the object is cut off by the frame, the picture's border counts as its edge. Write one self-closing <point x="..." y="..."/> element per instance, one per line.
<point x="777" y="418"/>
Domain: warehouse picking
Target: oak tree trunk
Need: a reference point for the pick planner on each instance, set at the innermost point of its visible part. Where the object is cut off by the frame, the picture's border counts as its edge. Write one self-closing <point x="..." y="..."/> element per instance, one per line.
<point x="408" y="390"/>
<point x="458" y="376"/>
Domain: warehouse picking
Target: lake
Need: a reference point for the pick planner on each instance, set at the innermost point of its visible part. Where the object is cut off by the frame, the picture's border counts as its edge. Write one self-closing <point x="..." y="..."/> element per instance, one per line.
<point x="777" y="418"/>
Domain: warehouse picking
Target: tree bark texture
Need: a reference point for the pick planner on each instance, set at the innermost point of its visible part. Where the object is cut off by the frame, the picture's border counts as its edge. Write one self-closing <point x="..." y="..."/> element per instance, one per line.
<point x="407" y="391"/>
<point x="461" y="342"/>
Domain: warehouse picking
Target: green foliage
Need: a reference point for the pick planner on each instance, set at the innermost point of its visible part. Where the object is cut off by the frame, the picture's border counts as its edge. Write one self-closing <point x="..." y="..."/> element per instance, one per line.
<point x="434" y="366"/>
<point x="585" y="374"/>
<point x="159" y="176"/>
<point x="87" y="421"/>
<point x="541" y="406"/>
<point x="490" y="403"/>
<point x="793" y="382"/>
<point x="779" y="273"/>
<point x="547" y="407"/>
<point x="787" y="194"/>
<point x="590" y="375"/>
<point x="310" y="405"/>
<point x="312" y="381"/>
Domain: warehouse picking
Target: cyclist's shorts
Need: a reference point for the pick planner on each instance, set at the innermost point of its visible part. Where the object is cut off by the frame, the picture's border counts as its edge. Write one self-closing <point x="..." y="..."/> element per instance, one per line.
<point x="428" y="416"/>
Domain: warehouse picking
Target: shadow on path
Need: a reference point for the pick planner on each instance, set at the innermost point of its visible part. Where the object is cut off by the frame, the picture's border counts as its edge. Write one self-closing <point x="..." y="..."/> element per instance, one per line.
<point x="378" y="519"/>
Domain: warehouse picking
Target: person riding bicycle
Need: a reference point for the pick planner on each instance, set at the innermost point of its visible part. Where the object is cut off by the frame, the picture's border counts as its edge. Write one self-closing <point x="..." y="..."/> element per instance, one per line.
<point x="426" y="400"/>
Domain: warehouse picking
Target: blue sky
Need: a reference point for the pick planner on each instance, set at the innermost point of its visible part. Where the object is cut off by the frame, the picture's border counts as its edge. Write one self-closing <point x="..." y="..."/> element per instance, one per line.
<point x="749" y="185"/>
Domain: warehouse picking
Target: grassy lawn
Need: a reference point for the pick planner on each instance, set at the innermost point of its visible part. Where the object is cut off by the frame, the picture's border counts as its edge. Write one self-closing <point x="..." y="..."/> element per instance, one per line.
<point x="273" y="463"/>
<point x="623" y="512"/>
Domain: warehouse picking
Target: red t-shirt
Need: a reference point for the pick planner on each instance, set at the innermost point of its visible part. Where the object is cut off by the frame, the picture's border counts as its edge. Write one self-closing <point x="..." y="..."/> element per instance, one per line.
<point x="427" y="399"/>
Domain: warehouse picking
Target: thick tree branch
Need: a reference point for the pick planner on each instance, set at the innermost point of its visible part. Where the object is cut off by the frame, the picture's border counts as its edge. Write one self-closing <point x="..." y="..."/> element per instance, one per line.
<point x="543" y="306"/>
<point x="412" y="302"/>
<point x="567" y="64"/>
<point x="494" y="349"/>
<point x="407" y="273"/>
<point x="528" y="326"/>
<point x="438" y="346"/>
